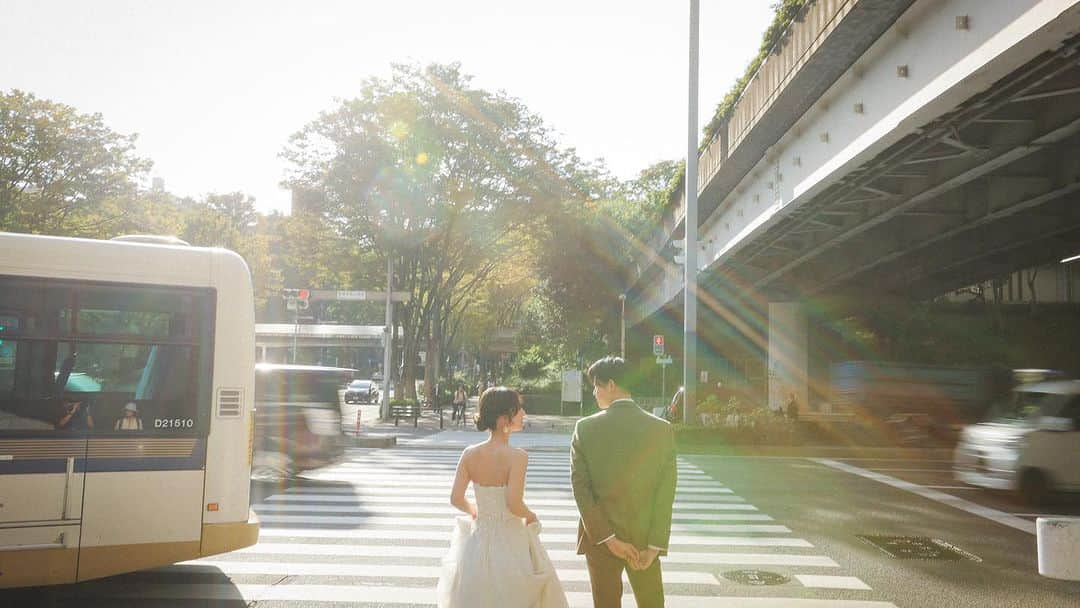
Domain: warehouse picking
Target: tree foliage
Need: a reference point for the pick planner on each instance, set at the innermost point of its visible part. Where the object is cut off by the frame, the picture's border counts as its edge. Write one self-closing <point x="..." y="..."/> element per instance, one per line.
<point x="588" y="261"/>
<point x="61" y="172"/>
<point x="444" y="178"/>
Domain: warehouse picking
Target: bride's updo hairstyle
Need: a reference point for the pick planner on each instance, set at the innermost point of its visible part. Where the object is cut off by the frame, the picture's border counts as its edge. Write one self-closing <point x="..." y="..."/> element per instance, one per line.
<point x="496" y="402"/>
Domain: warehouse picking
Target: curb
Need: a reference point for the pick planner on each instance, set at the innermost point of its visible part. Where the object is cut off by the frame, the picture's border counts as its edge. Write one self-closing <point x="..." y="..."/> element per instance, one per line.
<point x="378" y="441"/>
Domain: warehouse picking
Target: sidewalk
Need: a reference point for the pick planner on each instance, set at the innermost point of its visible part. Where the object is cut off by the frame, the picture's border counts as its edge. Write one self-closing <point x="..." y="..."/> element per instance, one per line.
<point x="541" y="431"/>
<point x="546" y="432"/>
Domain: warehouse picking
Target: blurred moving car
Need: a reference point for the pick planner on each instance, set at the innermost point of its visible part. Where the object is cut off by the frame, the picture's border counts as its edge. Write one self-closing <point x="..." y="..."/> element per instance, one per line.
<point x="362" y="391"/>
<point x="297" y="418"/>
<point x="1029" y="444"/>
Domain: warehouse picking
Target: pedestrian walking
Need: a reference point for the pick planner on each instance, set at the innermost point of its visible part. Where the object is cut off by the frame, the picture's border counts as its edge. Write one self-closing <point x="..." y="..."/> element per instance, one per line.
<point x="460" y="399"/>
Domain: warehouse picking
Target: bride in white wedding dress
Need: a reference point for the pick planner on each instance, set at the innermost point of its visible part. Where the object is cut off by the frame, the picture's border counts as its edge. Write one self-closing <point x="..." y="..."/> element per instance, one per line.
<point x="496" y="559"/>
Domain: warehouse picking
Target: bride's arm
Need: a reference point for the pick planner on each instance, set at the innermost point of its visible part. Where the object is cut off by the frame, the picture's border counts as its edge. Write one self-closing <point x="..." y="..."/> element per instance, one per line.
<point x="461" y="481"/>
<point x="515" y="490"/>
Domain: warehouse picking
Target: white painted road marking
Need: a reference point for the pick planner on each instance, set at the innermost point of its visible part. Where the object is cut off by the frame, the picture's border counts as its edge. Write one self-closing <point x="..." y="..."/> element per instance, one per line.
<point x="1000" y="517"/>
<point x="379" y="594"/>
<point x="829" y="582"/>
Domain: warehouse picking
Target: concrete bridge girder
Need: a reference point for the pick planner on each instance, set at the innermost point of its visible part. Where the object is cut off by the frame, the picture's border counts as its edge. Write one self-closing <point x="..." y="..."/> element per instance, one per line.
<point x="777" y="211"/>
<point x="945" y="176"/>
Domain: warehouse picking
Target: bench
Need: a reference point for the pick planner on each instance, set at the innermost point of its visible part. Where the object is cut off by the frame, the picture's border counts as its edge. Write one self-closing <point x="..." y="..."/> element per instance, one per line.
<point x="405" y="410"/>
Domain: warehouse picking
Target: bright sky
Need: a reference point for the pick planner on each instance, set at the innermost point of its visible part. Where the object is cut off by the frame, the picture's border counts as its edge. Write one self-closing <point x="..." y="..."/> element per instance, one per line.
<point x="214" y="88"/>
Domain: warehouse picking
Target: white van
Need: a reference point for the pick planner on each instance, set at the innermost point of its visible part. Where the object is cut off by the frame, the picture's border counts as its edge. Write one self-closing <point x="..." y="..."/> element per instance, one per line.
<point x="1030" y="445"/>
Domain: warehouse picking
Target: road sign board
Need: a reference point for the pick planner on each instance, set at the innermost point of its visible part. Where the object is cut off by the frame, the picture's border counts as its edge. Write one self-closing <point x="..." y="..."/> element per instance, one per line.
<point x="571" y="386"/>
<point x="396" y="296"/>
<point x="664" y="360"/>
<point x="658" y="344"/>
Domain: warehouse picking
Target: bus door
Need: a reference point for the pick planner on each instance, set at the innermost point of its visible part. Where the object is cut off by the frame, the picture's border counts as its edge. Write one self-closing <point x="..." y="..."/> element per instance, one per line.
<point x="42" y="461"/>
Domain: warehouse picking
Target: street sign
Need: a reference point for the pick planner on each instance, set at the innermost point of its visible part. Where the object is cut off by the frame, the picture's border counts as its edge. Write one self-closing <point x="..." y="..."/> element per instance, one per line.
<point x="664" y="360"/>
<point x="571" y="386"/>
<point x="658" y="345"/>
<point x="396" y="296"/>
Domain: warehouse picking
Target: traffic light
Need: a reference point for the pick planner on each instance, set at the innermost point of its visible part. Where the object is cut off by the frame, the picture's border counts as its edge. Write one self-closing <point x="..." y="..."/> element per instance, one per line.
<point x="658" y="344"/>
<point x="296" y="299"/>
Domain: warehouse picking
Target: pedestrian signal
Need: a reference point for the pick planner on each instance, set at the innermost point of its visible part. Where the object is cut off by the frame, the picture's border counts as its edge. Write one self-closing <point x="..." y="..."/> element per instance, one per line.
<point x="658" y="344"/>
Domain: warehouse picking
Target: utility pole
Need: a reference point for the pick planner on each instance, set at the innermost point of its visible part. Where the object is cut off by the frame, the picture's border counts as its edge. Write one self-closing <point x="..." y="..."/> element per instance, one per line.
<point x="691" y="224"/>
<point x="388" y="338"/>
<point x="295" y="330"/>
<point x="622" y="327"/>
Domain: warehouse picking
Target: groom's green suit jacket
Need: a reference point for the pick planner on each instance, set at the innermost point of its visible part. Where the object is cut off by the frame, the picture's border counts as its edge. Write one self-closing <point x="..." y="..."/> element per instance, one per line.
<point x="623" y="473"/>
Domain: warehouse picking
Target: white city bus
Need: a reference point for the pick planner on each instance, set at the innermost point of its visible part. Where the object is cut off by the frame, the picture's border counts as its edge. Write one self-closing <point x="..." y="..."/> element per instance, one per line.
<point x="126" y="417"/>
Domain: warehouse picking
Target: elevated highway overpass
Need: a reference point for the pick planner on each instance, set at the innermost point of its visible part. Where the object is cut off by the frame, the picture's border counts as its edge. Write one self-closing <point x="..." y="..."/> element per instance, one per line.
<point x="886" y="148"/>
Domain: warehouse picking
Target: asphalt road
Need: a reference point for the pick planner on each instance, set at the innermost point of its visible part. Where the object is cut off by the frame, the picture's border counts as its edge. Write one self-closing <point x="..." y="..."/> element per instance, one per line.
<point x="371" y="531"/>
<point x="832" y="503"/>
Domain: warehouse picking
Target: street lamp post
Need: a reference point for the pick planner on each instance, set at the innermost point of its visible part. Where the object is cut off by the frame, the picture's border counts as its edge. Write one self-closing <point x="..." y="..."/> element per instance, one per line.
<point x="388" y="338"/>
<point x="622" y="326"/>
<point x="691" y="225"/>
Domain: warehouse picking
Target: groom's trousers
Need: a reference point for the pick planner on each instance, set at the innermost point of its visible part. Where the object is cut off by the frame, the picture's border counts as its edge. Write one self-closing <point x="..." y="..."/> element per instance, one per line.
<point x="605" y="574"/>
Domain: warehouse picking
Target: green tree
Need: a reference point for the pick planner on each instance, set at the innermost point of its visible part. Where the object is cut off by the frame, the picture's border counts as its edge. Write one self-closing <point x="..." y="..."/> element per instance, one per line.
<point x="588" y="260"/>
<point x="439" y="175"/>
<point x="231" y="221"/>
<point x="62" y="172"/>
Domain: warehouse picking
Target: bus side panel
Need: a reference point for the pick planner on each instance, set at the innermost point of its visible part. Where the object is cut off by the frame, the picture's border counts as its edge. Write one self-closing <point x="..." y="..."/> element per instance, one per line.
<point x="139" y="519"/>
<point x="27" y="557"/>
<point x="228" y="454"/>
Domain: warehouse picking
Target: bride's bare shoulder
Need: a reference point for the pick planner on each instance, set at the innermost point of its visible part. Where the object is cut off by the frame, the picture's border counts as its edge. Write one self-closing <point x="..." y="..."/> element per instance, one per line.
<point x="473" y="450"/>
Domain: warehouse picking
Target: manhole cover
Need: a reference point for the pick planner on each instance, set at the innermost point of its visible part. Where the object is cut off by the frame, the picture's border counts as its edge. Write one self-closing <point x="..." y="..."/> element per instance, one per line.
<point x="919" y="547"/>
<point x="755" y="577"/>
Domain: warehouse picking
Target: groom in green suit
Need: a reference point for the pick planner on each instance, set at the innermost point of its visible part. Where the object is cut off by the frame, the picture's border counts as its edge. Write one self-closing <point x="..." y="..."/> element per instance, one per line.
<point x="623" y="473"/>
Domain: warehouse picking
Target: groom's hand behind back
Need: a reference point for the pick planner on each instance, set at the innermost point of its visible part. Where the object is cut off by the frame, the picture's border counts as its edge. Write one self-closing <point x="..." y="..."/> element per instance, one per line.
<point x="645" y="559"/>
<point x="622" y="550"/>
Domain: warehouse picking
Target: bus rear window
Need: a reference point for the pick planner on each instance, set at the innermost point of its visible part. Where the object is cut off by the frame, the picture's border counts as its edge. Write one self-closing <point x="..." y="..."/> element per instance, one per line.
<point x="104" y="358"/>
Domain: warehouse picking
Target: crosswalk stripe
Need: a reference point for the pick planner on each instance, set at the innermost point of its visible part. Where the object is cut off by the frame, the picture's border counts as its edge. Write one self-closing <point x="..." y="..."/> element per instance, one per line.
<point x="451" y="468"/>
<point x="440" y="493"/>
<point x="340" y="520"/>
<point x="441" y="480"/>
<point x="430" y="573"/>
<point x="445" y="512"/>
<point x="831" y="582"/>
<point x="443" y="483"/>
<point x="443" y="538"/>
<point x="424" y="596"/>
<point x="449" y="473"/>
<point x="443" y="497"/>
<point x="436" y="521"/>
<point x="436" y="553"/>
<point x="451" y="464"/>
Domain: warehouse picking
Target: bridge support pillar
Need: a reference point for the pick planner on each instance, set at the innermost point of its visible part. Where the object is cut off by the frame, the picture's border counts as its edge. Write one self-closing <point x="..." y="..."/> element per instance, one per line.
<point x="788" y="360"/>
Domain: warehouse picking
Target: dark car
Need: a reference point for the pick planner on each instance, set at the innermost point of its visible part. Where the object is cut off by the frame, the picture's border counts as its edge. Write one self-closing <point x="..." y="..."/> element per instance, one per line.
<point x="362" y="391"/>
<point x="297" y="417"/>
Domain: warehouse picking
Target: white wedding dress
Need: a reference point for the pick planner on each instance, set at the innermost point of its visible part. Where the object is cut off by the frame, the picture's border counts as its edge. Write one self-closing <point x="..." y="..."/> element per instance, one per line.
<point x="496" y="561"/>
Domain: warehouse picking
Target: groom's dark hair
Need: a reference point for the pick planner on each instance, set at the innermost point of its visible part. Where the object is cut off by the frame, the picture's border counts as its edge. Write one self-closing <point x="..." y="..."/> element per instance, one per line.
<point x="609" y="368"/>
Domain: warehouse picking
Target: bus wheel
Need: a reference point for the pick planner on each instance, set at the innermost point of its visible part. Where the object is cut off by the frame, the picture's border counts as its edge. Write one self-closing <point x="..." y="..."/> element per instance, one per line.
<point x="1034" y="487"/>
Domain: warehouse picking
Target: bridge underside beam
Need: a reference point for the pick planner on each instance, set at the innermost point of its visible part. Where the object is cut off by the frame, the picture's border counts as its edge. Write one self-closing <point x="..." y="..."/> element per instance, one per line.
<point x="1003" y="172"/>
